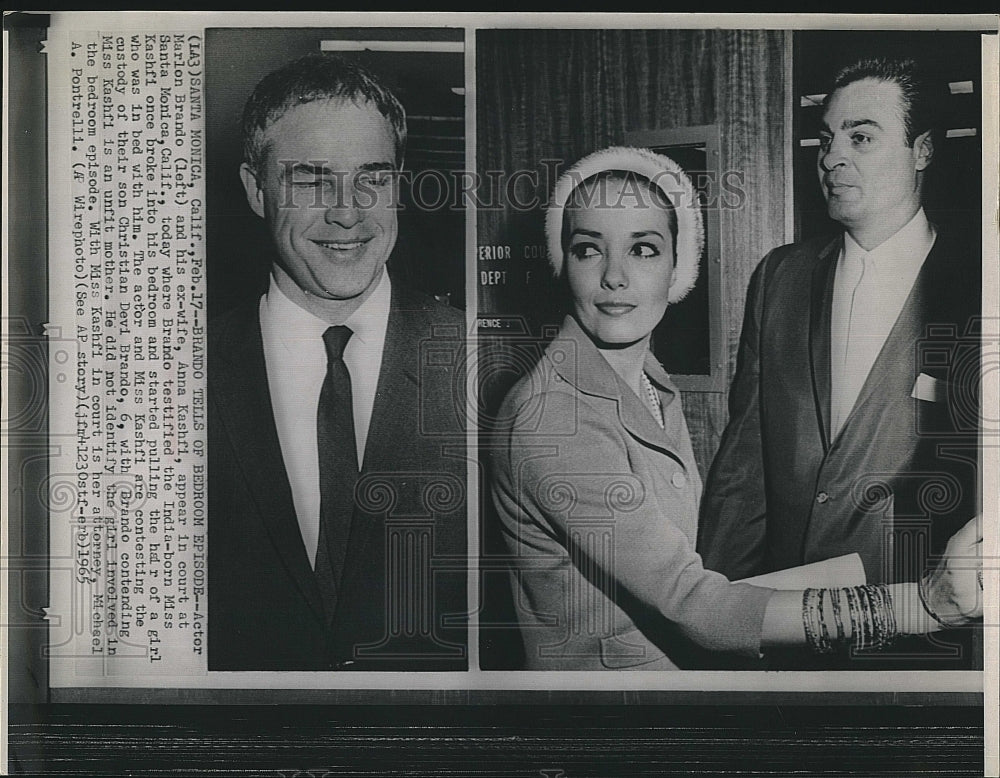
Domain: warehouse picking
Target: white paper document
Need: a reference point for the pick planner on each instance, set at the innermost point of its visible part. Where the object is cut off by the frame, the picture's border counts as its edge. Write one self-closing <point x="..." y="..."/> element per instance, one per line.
<point x="845" y="570"/>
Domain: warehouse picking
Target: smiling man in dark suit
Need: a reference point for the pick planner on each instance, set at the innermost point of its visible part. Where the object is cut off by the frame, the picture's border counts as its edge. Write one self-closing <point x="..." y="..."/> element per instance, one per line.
<point x="853" y="414"/>
<point x="336" y="463"/>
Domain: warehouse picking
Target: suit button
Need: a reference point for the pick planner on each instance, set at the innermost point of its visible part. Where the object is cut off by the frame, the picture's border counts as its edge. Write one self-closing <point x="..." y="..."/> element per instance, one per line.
<point x="822" y="497"/>
<point x="678" y="479"/>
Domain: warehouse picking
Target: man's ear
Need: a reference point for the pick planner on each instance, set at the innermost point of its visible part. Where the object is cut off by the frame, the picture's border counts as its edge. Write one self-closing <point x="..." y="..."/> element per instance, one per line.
<point x="255" y="195"/>
<point x="923" y="149"/>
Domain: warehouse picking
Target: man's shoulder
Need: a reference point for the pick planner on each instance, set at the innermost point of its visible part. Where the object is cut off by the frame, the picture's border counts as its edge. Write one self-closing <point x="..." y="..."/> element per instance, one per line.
<point x="954" y="273"/>
<point x="805" y="251"/>
<point x="235" y="324"/>
<point x="960" y="248"/>
<point x="793" y="263"/>
<point x="421" y="307"/>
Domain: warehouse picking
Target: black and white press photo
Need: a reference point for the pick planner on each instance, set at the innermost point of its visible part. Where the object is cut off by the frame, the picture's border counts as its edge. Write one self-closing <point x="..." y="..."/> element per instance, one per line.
<point x="737" y="342"/>
<point x="499" y="393"/>
<point x="335" y="399"/>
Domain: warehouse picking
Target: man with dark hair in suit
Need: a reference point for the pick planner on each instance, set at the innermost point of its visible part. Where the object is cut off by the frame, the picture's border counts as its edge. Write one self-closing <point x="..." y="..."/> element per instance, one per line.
<point x="336" y="463"/>
<point x="853" y="424"/>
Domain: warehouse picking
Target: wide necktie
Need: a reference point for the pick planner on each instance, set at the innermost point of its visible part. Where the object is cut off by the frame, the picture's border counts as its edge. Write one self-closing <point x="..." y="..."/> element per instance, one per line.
<point x="338" y="467"/>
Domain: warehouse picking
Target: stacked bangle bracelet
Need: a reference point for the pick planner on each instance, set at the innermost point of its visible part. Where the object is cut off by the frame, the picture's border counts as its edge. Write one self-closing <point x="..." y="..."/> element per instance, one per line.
<point x="869" y="611"/>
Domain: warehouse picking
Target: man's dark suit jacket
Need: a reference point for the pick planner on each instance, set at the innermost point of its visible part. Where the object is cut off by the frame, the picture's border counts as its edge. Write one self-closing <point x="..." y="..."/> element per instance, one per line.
<point x="902" y="475"/>
<point x="401" y="594"/>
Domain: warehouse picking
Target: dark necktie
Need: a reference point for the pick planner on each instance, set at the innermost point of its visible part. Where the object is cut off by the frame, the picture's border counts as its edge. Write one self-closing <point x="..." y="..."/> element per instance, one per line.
<point x="338" y="467"/>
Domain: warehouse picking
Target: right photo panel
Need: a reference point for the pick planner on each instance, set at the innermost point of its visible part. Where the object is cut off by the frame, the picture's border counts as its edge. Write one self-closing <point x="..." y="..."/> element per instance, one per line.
<point x="729" y="328"/>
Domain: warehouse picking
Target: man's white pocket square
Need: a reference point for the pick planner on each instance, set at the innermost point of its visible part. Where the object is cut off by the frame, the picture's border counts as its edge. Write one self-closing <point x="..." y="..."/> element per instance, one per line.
<point x="929" y="388"/>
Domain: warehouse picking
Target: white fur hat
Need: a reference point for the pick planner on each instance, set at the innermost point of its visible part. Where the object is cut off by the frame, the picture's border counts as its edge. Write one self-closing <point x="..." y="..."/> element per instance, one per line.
<point x="671" y="180"/>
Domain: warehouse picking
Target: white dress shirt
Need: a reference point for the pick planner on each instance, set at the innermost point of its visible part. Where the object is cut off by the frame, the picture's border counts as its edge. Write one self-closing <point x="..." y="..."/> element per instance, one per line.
<point x="296" y="368"/>
<point x="869" y="291"/>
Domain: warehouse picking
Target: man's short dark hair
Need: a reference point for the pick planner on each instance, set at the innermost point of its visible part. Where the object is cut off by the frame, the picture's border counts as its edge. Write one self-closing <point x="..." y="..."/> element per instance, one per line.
<point x="308" y="79"/>
<point x="919" y="100"/>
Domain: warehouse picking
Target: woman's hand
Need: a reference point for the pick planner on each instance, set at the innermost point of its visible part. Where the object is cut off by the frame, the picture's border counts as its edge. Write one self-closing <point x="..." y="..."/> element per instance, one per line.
<point x="953" y="592"/>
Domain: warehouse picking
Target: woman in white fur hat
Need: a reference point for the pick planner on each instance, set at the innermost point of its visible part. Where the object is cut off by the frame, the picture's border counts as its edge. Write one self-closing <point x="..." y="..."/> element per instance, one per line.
<point x="595" y="481"/>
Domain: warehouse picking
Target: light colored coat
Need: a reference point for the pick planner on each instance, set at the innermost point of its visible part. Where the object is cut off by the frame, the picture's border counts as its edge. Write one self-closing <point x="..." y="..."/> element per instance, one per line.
<point x="599" y="507"/>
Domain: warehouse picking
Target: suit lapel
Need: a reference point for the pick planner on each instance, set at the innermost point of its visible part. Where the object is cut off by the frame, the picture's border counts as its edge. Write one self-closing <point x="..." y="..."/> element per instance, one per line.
<point x="820" y="305"/>
<point x="390" y="431"/>
<point x="244" y="402"/>
<point x="393" y="414"/>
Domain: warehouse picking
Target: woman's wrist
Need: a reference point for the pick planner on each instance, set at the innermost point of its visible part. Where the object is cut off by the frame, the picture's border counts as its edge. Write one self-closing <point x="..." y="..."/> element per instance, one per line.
<point x="912" y="618"/>
<point x="866" y="617"/>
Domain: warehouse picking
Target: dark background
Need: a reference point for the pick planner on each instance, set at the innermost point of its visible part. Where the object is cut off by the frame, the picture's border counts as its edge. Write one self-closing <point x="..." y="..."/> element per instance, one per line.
<point x="498" y="739"/>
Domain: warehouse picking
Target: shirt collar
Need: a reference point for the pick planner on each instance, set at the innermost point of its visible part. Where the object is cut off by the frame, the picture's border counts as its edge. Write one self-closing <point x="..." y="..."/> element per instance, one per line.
<point x="368" y="322"/>
<point x="292" y="324"/>
<point x="589" y="371"/>
<point x="910" y="244"/>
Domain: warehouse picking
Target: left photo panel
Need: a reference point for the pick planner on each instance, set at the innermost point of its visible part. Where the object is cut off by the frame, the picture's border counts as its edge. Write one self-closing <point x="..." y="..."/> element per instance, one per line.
<point x="262" y="342"/>
<point x="337" y="506"/>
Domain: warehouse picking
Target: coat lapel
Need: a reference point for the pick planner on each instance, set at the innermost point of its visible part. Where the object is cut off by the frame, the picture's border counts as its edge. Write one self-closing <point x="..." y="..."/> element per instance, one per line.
<point x="244" y="402"/>
<point x="390" y="432"/>
<point x="638" y="419"/>
<point x="592" y="374"/>
<point x="393" y="414"/>
<point x="820" y="305"/>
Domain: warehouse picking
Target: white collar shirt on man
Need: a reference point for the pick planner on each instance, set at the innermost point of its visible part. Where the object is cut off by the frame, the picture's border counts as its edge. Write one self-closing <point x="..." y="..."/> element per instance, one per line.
<point x="869" y="291"/>
<point x="296" y="368"/>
